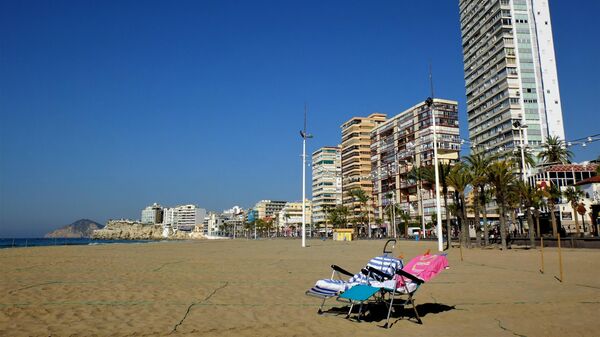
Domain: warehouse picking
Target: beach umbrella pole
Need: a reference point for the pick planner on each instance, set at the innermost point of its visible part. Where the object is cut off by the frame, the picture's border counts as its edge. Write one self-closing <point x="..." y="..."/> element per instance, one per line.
<point x="542" y="253"/>
<point x="560" y="265"/>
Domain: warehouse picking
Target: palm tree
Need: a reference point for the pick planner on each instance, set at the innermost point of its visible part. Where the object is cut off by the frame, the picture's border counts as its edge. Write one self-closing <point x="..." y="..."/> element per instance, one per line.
<point x="443" y="171"/>
<point x="362" y="198"/>
<point x="552" y="194"/>
<point x="393" y="211"/>
<point x="459" y="178"/>
<point x="287" y="218"/>
<point x="530" y="197"/>
<point x="338" y="216"/>
<point x="501" y="176"/>
<point x="416" y="175"/>
<point x="538" y="203"/>
<point x="573" y="195"/>
<point x="555" y="151"/>
<point x="477" y="165"/>
<point x="405" y="219"/>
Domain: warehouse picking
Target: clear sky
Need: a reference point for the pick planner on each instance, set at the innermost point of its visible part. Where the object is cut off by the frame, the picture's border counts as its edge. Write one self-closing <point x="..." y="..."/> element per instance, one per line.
<point x="106" y="107"/>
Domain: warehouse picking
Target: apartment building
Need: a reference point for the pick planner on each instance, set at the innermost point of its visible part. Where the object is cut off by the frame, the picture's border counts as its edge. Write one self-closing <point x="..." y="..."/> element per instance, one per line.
<point x="184" y="217"/>
<point x="406" y="141"/>
<point x="152" y="214"/>
<point x="326" y="182"/>
<point x="289" y="219"/>
<point x="269" y="208"/>
<point x="356" y="158"/>
<point x="510" y="74"/>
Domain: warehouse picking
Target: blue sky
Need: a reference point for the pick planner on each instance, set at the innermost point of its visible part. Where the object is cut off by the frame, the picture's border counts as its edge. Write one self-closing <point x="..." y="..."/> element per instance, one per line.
<point x="106" y="107"/>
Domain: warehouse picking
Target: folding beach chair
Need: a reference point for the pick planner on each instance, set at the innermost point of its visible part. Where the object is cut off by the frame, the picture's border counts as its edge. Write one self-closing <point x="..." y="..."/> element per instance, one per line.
<point x="332" y="287"/>
<point x="406" y="281"/>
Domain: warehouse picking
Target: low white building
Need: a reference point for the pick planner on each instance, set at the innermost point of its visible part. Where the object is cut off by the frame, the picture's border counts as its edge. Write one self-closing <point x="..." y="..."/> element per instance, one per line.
<point x="590" y="220"/>
<point x="214" y="224"/>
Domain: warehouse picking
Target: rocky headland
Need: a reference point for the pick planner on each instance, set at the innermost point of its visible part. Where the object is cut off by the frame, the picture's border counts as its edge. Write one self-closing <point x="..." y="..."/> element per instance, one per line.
<point x="132" y="230"/>
<point x="82" y="228"/>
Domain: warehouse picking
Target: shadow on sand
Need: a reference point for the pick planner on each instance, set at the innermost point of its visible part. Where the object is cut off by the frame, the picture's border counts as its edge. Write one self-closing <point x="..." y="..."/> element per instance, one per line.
<point x="377" y="312"/>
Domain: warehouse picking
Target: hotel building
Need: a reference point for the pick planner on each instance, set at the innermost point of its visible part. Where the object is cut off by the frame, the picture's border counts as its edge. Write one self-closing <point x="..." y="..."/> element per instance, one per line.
<point x="406" y="141"/>
<point x="356" y="158"/>
<point x="326" y="182"/>
<point x="289" y="219"/>
<point x="152" y="214"/>
<point x="268" y="208"/>
<point x="510" y="74"/>
<point x="184" y="217"/>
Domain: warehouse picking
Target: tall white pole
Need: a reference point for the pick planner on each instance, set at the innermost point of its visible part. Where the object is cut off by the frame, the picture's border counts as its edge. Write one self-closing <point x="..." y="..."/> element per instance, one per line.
<point x="369" y="219"/>
<point x="437" y="183"/>
<point x="304" y="192"/>
<point x="522" y="153"/>
<point x="393" y="229"/>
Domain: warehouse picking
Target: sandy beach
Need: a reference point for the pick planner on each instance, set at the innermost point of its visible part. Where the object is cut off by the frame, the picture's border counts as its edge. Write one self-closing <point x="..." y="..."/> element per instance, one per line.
<point x="256" y="288"/>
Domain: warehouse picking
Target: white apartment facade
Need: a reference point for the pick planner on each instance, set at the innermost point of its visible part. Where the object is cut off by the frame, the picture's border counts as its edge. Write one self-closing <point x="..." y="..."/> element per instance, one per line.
<point x="326" y="182"/>
<point x="404" y="142"/>
<point x="289" y="218"/>
<point x="269" y="208"/>
<point x="184" y="217"/>
<point x="510" y="74"/>
<point x="152" y="214"/>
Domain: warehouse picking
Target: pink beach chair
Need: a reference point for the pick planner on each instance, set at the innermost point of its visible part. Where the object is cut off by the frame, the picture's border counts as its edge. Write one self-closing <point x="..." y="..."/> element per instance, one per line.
<point x="406" y="281"/>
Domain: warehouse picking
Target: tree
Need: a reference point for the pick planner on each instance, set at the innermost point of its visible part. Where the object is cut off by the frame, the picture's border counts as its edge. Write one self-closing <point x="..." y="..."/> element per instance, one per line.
<point x="416" y="175"/>
<point x="477" y="165"/>
<point x="405" y="219"/>
<point x="554" y="151"/>
<point x="530" y="200"/>
<point x="393" y="211"/>
<point x="268" y="224"/>
<point x="459" y="178"/>
<point x="338" y="216"/>
<point x="501" y="176"/>
<point x="247" y="226"/>
<point x="260" y="226"/>
<point x="573" y="195"/>
<point x="287" y="218"/>
<point x="362" y="198"/>
<point x="552" y="194"/>
<point x="443" y="171"/>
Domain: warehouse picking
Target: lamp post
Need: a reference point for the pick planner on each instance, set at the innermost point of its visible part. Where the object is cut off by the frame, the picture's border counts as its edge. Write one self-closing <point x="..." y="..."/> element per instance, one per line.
<point x="429" y="103"/>
<point x="517" y="124"/>
<point x="304" y="136"/>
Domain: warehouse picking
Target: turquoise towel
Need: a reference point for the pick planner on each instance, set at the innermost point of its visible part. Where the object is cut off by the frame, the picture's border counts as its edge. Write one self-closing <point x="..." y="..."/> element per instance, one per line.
<point x="359" y="293"/>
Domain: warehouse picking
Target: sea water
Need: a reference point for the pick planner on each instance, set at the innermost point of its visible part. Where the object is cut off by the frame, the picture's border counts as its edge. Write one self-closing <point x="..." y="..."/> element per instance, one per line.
<point x="39" y="242"/>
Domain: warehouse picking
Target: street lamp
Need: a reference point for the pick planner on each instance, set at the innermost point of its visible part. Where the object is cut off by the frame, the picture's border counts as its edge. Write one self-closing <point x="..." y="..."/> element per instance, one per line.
<point x="429" y="102"/>
<point x="517" y="124"/>
<point x="304" y="136"/>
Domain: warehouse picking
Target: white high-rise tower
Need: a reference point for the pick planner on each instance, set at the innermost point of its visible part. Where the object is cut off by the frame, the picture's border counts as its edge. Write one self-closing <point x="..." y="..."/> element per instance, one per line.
<point x="510" y="74"/>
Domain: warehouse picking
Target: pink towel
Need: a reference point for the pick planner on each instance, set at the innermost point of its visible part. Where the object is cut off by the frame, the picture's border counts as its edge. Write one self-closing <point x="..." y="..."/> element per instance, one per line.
<point x="424" y="267"/>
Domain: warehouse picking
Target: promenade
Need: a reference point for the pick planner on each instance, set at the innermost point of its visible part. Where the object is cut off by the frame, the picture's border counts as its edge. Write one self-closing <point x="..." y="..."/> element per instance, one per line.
<point x="256" y="288"/>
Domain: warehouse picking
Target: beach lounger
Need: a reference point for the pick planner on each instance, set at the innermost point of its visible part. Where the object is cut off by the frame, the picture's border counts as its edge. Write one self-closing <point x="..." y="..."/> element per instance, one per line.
<point x="402" y="286"/>
<point x="334" y="286"/>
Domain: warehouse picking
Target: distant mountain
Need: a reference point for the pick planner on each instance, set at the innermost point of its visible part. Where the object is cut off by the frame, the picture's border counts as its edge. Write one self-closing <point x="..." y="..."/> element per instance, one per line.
<point x="82" y="228"/>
